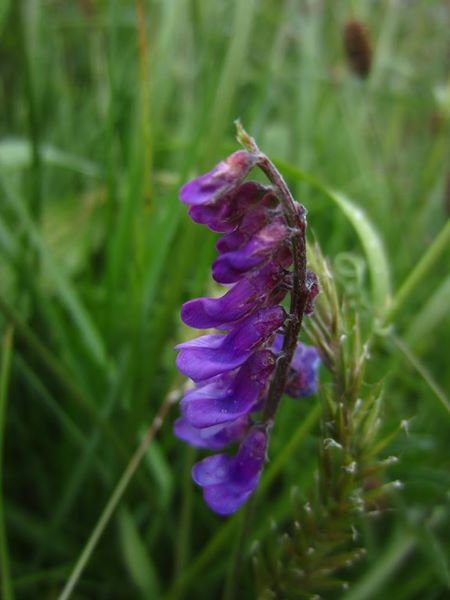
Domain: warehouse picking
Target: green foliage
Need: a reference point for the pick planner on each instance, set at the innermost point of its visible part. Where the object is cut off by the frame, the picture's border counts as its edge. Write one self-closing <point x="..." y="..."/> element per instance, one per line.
<point x="107" y="107"/>
<point x="321" y="544"/>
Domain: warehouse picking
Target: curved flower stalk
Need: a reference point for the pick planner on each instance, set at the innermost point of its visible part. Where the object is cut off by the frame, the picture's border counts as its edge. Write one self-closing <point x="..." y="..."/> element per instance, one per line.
<point x="241" y="373"/>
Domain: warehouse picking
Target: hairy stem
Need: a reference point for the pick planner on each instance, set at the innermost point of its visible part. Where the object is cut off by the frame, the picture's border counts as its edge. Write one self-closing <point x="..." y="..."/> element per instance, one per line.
<point x="295" y="217"/>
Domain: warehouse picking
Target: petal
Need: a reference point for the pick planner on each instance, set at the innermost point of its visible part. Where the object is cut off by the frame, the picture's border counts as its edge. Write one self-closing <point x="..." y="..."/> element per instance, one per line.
<point x="250" y="459"/>
<point x="213" y="354"/>
<point x="225" y="500"/>
<point x="302" y="378"/>
<point x="222" y="179"/>
<point x="211" y="470"/>
<point x="246" y="296"/>
<point x="230" y="266"/>
<point x="303" y="375"/>
<point x="213" y="438"/>
<point x="225" y="214"/>
<point x="227" y="481"/>
<point x="252" y="221"/>
<point x="209" y="406"/>
<point x="212" y="340"/>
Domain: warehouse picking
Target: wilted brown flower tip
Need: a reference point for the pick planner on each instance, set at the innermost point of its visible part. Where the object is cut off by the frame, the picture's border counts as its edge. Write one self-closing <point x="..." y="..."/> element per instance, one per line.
<point x="358" y="48"/>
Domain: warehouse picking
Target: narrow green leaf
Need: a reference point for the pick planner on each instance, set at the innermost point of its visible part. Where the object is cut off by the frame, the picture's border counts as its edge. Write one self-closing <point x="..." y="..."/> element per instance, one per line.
<point x="5" y="368"/>
<point x="16" y="154"/>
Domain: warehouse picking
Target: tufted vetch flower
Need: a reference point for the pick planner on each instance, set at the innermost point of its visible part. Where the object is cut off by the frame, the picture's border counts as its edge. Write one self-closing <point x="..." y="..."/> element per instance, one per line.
<point x="237" y="371"/>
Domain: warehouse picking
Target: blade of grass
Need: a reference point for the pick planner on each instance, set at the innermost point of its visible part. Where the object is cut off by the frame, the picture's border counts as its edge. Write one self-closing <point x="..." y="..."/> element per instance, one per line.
<point x="16" y="153"/>
<point x="117" y="495"/>
<point x="5" y="369"/>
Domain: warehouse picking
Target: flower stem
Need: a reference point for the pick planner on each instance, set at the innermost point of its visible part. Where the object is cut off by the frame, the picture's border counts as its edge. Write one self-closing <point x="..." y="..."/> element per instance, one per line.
<point x="295" y="218"/>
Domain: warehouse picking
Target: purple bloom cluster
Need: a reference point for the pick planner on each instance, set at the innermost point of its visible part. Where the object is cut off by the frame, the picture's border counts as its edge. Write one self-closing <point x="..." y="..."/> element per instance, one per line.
<point x="232" y="370"/>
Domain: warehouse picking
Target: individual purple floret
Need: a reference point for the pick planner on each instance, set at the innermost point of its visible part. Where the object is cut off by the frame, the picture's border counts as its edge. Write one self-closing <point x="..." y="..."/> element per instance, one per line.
<point x="256" y="217"/>
<point x="245" y="297"/>
<point x="229" y="267"/>
<point x="209" y="355"/>
<point x="233" y="370"/>
<point x="302" y="378"/>
<point x="222" y="180"/>
<point x="215" y="403"/>
<point x="303" y="374"/>
<point x="225" y="216"/>
<point x="228" y="481"/>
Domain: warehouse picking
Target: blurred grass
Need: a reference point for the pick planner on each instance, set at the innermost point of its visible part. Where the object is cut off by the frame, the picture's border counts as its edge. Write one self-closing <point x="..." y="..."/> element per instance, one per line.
<point x="98" y="130"/>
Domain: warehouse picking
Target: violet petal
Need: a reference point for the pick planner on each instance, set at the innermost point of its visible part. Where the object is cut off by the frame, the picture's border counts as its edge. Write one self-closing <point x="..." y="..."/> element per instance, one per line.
<point x="247" y="295"/>
<point x="216" y="437"/>
<point x="227" y="212"/>
<point x="225" y="177"/>
<point x="210" y="405"/>
<point x="209" y="355"/>
<point x="228" y="483"/>
<point x="302" y="378"/>
<point x="231" y="266"/>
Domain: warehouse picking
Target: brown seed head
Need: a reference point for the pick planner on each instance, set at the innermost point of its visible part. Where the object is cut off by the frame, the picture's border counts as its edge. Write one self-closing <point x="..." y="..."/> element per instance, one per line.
<point x="358" y="48"/>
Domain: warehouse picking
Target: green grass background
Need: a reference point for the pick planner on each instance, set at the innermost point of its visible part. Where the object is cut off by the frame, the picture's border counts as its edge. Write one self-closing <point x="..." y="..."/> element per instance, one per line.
<point x="107" y="107"/>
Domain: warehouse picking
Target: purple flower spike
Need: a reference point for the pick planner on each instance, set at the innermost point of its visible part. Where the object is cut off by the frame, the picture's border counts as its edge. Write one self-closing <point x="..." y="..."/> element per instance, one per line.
<point x="212" y="404"/>
<point x="216" y="437"/>
<point x="233" y="369"/>
<point x="245" y="297"/>
<point x="210" y="355"/>
<point x="229" y="481"/>
<point x="231" y="266"/>
<point x="223" y="179"/>
<point x="225" y="214"/>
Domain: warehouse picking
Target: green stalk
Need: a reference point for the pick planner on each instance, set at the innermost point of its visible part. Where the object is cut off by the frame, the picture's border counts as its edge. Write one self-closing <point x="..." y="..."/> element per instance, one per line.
<point x="5" y="369"/>
<point x="116" y="496"/>
<point x="35" y="204"/>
